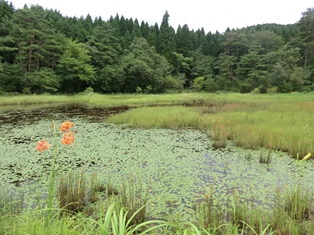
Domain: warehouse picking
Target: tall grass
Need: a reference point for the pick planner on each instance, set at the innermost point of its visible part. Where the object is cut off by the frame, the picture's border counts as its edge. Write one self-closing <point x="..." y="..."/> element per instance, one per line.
<point x="72" y="192"/>
<point x="155" y="99"/>
<point x="160" y="117"/>
<point x="286" y="125"/>
<point x="105" y="100"/>
<point x="36" y="99"/>
<point x="292" y="214"/>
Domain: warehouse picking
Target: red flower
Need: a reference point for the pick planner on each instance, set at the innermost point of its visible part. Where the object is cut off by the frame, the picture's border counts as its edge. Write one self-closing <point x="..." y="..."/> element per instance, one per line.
<point x="67" y="125"/>
<point x="68" y="138"/>
<point x="42" y="145"/>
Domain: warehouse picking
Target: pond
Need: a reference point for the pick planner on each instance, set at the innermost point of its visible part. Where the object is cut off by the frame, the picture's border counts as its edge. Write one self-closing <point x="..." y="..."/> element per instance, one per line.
<point x="175" y="167"/>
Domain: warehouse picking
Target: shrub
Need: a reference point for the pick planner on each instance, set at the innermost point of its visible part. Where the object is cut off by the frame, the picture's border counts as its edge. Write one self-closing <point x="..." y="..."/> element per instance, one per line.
<point x="26" y="91"/>
<point x="256" y="91"/>
<point x="88" y="90"/>
<point x="139" y="90"/>
<point x="198" y="83"/>
<point x="272" y="90"/>
<point x="173" y="83"/>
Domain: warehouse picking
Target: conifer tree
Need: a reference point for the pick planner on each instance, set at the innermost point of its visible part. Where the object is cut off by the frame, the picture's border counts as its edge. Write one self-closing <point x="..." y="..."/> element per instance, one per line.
<point x="306" y="28"/>
<point x="166" y="39"/>
<point x="153" y="36"/>
<point x="105" y="52"/>
<point x="184" y="40"/>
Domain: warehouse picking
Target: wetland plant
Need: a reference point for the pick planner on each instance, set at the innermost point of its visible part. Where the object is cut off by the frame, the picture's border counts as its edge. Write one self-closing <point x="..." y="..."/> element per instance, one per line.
<point x="219" y="136"/>
<point x="110" y="189"/>
<point x="72" y="191"/>
<point x="96" y="188"/>
<point x="249" y="220"/>
<point x="218" y="144"/>
<point x="9" y="204"/>
<point x="116" y="221"/>
<point x="292" y="213"/>
<point x="299" y="204"/>
<point x="134" y="201"/>
<point x="265" y="157"/>
<point x="209" y="214"/>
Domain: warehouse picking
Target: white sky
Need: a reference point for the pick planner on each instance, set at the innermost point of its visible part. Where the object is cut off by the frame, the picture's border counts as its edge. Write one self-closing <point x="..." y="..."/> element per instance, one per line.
<point x="212" y="15"/>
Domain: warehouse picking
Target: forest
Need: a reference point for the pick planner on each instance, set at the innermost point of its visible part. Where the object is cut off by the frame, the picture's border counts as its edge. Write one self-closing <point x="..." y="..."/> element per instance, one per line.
<point x="42" y="51"/>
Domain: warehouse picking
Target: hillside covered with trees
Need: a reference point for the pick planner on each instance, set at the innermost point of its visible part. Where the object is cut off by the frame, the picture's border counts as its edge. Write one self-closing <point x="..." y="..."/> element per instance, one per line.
<point x="42" y="51"/>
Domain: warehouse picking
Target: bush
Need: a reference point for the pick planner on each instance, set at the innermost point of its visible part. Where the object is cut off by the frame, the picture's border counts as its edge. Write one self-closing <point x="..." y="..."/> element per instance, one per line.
<point x="272" y="90"/>
<point x="148" y="89"/>
<point x="210" y="84"/>
<point x="198" y="83"/>
<point x="88" y="90"/>
<point x="26" y="91"/>
<point x="173" y="83"/>
<point x="256" y="91"/>
<point x="139" y="90"/>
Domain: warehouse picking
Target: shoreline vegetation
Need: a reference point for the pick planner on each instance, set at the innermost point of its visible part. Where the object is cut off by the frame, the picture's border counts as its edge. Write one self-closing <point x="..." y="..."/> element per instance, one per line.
<point x="270" y="121"/>
<point x="274" y="121"/>
<point x="135" y="100"/>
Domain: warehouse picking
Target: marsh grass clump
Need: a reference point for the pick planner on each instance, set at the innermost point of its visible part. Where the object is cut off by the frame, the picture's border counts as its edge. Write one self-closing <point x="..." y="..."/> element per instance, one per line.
<point x="111" y="190"/>
<point x="265" y="156"/>
<point x="77" y="191"/>
<point x="219" y="144"/>
<point x="249" y="220"/>
<point x="96" y="188"/>
<point x="220" y="136"/>
<point x="299" y="204"/>
<point x="72" y="192"/>
<point x="237" y="218"/>
<point x="209" y="215"/>
<point x="292" y="212"/>
<point x="10" y="204"/>
<point x="134" y="200"/>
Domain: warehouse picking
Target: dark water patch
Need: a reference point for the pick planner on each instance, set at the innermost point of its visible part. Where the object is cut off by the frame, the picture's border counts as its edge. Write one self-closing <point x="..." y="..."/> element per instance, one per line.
<point x="30" y="116"/>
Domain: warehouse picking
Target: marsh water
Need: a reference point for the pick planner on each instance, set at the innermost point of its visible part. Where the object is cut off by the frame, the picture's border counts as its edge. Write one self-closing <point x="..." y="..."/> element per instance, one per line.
<point x="176" y="167"/>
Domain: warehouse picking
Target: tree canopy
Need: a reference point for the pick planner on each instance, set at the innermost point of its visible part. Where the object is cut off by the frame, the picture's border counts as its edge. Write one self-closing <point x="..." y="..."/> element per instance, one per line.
<point x="43" y="51"/>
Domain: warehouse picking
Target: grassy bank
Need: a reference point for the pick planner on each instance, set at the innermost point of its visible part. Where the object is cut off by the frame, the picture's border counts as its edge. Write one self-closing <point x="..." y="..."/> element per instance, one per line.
<point x="136" y="100"/>
<point x="107" y="100"/>
<point x="285" y="125"/>
<point x="151" y="99"/>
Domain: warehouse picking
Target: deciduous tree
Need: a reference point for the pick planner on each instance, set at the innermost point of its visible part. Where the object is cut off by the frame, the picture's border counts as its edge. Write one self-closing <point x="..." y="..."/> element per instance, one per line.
<point x="74" y="68"/>
<point x="144" y="67"/>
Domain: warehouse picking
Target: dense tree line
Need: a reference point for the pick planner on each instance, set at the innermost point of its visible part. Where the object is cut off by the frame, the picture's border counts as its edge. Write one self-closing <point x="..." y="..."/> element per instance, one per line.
<point x="42" y="51"/>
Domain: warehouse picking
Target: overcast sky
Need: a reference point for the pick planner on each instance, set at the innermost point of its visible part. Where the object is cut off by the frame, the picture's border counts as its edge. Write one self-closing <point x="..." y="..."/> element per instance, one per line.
<point x="212" y="15"/>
